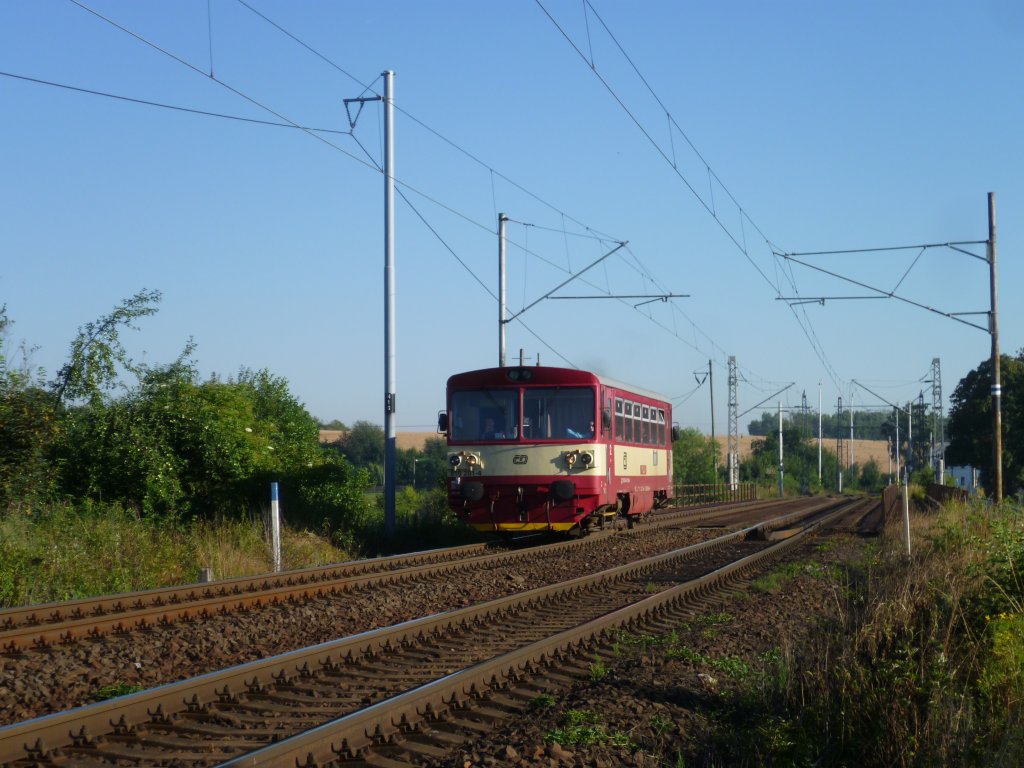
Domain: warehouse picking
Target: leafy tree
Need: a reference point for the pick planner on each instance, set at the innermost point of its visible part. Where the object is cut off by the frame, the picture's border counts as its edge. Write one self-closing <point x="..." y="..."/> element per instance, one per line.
<point x="169" y="445"/>
<point x="331" y="497"/>
<point x="693" y="457"/>
<point x="868" y="425"/>
<point x="433" y="467"/>
<point x="427" y="469"/>
<point x="435" y="448"/>
<point x="970" y="422"/>
<point x="293" y="434"/>
<point x="800" y="463"/>
<point x="923" y="475"/>
<point x="334" y="424"/>
<point x="97" y="351"/>
<point x="363" y="445"/>
<point x="871" y="477"/>
<point x="29" y="425"/>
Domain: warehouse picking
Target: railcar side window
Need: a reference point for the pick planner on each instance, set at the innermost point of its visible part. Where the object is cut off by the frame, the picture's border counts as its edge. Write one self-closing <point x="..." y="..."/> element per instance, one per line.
<point x="638" y="431"/>
<point x="558" y="413"/>
<point x="645" y="419"/>
<point x="661" y="426"/>
<point x="628" y="434"/>
<point x="485" y="414"/>
<point x="619" y="428"/>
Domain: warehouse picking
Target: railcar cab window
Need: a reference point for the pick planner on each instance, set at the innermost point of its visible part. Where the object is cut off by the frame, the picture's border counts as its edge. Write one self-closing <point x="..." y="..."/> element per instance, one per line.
<point x="485" y="414"/>
<point x="558" y="413"/>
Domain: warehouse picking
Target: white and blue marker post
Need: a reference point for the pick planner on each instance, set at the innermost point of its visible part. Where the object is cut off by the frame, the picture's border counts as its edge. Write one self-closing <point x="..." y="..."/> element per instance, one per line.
<point x="275" y="527"/>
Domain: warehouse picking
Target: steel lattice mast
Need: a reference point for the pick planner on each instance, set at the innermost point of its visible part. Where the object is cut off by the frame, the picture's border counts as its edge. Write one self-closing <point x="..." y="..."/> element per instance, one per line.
<point x="734" y="432"/>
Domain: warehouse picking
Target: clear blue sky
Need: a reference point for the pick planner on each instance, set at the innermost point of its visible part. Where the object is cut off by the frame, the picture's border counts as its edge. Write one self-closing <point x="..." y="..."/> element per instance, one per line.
<point x="833" y="126"/>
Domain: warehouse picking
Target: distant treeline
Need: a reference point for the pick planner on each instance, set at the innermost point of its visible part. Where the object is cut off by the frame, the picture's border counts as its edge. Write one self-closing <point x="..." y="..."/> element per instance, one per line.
<point x="867" y="425"/>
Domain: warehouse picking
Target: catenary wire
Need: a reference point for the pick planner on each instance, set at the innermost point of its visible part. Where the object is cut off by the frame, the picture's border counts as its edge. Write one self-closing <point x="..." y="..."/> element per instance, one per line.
<point x="819" y="352"/>
<point x="173" y="107"/>
<point x="407" y="186"/>
<point x="464" y="265"/>
<point x="492" y="171"/>
<point x="655" y="144"/>
<point x="369" y="164"/>
<point x="424" y="125"/>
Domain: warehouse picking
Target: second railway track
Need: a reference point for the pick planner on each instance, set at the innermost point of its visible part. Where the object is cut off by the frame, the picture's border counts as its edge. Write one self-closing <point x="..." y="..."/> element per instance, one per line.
<point x="39" y="626"/>
<point x="207" y="720"/>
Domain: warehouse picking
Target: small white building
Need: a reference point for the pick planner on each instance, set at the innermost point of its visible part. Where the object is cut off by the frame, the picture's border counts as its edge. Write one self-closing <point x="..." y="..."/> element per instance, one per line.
<point x="965" y="477"/>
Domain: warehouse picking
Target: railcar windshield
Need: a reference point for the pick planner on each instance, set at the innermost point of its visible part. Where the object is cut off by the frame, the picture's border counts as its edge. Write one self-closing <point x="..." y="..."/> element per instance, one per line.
<point x="549" y="413"/>
<point x="485" y="414"/>
<point x="558" y="413"/>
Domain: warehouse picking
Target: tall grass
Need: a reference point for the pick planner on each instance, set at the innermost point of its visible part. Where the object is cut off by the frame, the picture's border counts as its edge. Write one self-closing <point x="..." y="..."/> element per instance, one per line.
<point x="62" y="552"/>
<point x="924" y="668"/>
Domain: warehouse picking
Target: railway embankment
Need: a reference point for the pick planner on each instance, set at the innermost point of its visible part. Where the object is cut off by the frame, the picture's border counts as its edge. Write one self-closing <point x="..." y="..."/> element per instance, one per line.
<point x="848" y="653"/>
<point x="803" y="661"/>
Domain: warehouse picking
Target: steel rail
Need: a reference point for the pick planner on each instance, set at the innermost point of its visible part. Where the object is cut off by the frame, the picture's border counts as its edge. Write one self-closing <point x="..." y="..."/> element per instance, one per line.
<point x="39" y="626"/>
<point x="350" y="737"/>
<point x="66" y="610"/>
<point x="33" y="739"/>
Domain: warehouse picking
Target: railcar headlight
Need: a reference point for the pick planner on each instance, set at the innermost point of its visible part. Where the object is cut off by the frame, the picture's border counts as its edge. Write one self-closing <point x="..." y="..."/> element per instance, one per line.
<point x="455" y="460"/>
<point x="570" y="458"/>
<point x="586" y="459"/>
<point x="472" y="460"/>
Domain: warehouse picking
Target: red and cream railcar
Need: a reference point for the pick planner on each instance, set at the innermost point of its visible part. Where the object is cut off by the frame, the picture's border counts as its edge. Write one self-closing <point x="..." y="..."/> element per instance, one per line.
<point x="538" y="448"/>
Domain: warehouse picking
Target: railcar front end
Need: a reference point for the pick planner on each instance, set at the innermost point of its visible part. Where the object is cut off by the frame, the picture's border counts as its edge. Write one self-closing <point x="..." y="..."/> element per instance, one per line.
<point x="537" y="448"/>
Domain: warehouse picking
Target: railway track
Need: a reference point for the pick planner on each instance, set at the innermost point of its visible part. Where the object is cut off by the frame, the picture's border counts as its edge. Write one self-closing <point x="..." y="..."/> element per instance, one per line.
<point x="40" y="626"/>
<point x="350" y="697"/>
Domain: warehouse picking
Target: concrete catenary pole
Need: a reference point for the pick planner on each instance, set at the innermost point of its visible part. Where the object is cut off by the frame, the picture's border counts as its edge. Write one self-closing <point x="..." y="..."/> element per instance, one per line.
<point x="839" y="444"/>
<point x="711" y="388"/>
<point x="909" y="466"/>
<point x="389" y="302"/>
<point x="780" y="449"/>
<point x="851" y="431"/>
<point x="896" y="450"/>
<point x="502" y="218"/>
<point x="997" y="390"/>
<point x="906" y="517"/>
<point x="819" y="431"/>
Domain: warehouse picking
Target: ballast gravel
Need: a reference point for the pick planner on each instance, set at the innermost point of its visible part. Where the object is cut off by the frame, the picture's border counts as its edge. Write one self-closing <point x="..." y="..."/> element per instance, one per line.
<point x="50" y="680"/>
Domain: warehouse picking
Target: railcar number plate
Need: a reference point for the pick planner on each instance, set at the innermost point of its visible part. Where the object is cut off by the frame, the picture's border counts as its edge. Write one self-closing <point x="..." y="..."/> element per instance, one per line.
<point x="520" y="458"/>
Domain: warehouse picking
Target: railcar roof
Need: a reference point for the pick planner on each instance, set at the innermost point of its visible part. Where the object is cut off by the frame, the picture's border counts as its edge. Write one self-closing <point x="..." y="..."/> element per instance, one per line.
<point x="605" y="380"/>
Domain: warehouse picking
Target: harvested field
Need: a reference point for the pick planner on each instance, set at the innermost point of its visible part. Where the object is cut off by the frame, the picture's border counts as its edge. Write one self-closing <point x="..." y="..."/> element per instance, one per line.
<point x="403" y="440"/>
<point x="863" y="450"/>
